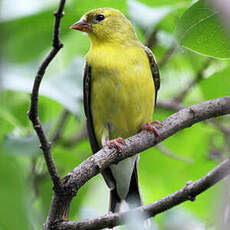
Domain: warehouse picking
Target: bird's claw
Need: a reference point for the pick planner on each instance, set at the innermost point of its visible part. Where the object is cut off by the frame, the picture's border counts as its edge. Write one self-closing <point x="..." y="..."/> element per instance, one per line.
<point x="116" y="142"/>
<point x="150" y="127"/>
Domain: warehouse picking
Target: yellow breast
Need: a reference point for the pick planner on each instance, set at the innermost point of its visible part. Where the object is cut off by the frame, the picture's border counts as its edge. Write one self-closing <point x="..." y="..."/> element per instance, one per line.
<point x="123" y="92"/>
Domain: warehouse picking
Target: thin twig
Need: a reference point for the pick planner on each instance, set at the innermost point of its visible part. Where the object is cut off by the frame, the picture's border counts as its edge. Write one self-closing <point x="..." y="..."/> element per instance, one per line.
<point x="189" y="192"/>
<point x="33" y="112"/>
<point x="179" y="98"/>
<point x="144" y="140"/>
<point x="61" y="123"/>
<point x="36" y="177"/>
<point x="174" y="106"/>
<point x="220" y="126"/>
<point x="151" y="39"/>
<point x="136" y="144"/>
<point x="168" y="153"/>
<point x="167" y="56"/>
<point x="82" y="135"/>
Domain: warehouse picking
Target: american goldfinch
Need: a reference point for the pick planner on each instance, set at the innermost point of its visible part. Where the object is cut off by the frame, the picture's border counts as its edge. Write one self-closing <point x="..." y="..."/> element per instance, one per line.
<point x="121" y="81"/>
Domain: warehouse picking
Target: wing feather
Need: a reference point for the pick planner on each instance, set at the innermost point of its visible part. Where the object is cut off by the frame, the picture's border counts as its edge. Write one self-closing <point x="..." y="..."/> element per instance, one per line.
<point x="107" y="174"/>
<point x="154" y="70"/>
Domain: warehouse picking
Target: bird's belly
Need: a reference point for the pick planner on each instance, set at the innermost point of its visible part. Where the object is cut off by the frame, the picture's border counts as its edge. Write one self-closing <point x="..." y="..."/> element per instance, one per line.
<point x="121" y="104"/>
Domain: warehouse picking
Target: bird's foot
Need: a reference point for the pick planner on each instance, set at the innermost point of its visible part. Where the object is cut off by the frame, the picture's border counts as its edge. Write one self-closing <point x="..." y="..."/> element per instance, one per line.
<point x="150" y="127"/>
<point x="116" y="142"/>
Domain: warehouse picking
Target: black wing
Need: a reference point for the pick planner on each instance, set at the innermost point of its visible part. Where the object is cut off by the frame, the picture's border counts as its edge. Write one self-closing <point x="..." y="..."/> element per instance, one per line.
<point x="154" y="69"/>
<point x="87" y="108"/>
<point x="107" y="174"/>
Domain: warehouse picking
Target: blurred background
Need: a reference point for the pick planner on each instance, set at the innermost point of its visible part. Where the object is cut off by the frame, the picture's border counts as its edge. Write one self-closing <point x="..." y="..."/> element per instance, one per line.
<point x="192" y="49"/>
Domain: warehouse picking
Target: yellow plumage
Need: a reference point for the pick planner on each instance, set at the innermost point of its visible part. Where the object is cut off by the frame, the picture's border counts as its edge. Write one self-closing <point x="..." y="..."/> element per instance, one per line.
<point x="119" y="91"/>
<point x="122" y="90"/>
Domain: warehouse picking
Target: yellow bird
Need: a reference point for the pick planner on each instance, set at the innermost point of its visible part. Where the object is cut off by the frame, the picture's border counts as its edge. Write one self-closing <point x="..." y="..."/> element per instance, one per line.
<point x="121" y="81"/>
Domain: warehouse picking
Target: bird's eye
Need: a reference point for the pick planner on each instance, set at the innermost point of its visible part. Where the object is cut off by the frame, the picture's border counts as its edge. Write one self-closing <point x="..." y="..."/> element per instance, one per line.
<point x="100" y="17"/>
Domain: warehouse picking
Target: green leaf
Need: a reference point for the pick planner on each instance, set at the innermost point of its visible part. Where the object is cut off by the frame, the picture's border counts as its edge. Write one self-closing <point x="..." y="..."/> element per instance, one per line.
<point x="200" y="30"/>
<point x="65" y="89"/>
<point x="217" y="85"/>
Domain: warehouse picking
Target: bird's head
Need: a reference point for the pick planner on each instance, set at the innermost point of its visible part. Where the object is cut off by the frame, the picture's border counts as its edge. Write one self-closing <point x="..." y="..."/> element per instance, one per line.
<point x="106" y="25"/>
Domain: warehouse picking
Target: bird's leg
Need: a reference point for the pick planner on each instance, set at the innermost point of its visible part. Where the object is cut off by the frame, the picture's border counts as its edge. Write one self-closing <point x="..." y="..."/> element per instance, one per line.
<point x="116" y="142"/>
<point x="150" y="127"/>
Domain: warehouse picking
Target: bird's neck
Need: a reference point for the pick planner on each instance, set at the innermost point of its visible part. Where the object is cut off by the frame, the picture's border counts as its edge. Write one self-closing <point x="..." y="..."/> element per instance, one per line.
<point x="116" y="41"/>
<point x="115" y="38"/>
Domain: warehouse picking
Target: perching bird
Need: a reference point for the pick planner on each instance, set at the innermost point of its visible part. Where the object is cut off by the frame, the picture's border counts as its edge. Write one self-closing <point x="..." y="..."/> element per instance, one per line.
<point x="121" y="81"/>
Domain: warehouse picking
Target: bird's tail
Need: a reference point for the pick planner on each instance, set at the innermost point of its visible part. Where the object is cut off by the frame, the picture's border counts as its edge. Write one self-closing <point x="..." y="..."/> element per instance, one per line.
<point x="133" y="198"/>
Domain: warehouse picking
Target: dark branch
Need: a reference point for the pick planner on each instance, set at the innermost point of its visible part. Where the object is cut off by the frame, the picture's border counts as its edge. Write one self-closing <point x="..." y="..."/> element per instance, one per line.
<point x="135" y="144"/>
<point x="189" y="192"/>
<point x="61" y="123"/>
<point x="174" y="106"/>
<point x="167" y="55"/>
<point x="33" y="112"/>
<point x="151" y="39"/>
<point x="144" y="140"/>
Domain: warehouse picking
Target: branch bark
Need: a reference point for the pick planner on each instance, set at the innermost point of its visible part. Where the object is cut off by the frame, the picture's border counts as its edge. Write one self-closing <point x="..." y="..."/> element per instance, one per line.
<point x="135" y="144"/>
<point x="33" y="112"/>
<point x="188" y="192"/>
<point x="144" y="140"/>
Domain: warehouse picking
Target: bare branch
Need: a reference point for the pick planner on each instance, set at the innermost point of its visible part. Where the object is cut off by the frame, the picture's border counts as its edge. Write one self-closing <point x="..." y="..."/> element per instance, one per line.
<point x="168" y="153"/>
<point x="135" y="144"/>
<point x="175" y="106"/>
<point x="33" y="112"/>
<point x="144" y="140"/>
<point x="151" y="39"/>
<point x="189" y="192"/>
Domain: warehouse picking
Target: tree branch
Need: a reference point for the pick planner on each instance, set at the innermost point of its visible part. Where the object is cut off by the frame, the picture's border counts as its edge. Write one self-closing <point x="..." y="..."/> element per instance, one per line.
<point x="135" y="144"/>
<point x="144" y="140"/>
<point x="188" y="192"/>
<point x="175" y="106"/>
<point x="33" y="112"/>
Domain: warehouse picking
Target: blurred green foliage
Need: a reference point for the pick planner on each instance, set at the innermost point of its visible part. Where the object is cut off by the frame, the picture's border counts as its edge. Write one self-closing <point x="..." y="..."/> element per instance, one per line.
<point x="26" y="189"/>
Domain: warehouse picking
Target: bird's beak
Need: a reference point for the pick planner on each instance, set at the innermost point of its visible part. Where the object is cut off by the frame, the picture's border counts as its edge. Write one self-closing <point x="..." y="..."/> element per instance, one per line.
<point x="81" y="25"/>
